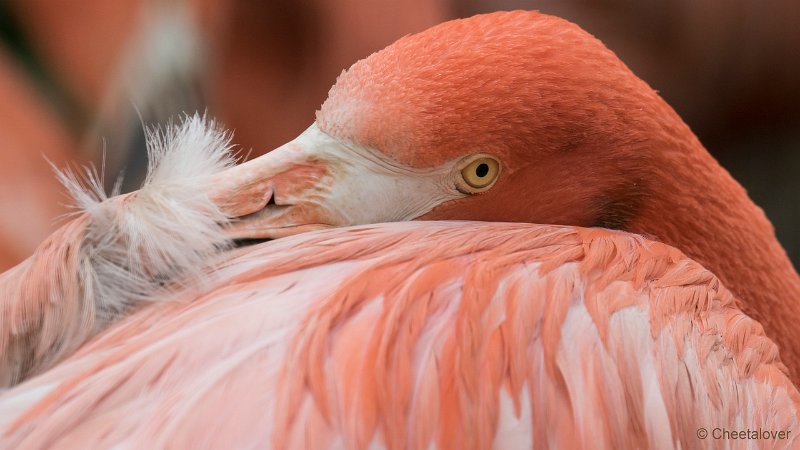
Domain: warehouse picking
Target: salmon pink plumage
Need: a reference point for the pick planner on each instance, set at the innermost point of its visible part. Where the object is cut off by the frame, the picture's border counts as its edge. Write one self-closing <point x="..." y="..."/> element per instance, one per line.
<point x="633" y="320"/>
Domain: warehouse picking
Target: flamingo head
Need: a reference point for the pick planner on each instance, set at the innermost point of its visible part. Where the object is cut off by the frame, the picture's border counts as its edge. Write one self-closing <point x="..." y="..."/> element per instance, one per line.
<point x="512" y="116"/>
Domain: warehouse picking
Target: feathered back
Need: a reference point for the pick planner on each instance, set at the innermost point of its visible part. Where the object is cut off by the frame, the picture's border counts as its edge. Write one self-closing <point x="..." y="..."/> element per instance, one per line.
<point x="419" y="334"/>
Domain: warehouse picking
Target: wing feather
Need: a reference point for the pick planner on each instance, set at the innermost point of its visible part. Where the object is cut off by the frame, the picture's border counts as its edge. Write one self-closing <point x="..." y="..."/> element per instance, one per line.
<point x="451" y="335"/>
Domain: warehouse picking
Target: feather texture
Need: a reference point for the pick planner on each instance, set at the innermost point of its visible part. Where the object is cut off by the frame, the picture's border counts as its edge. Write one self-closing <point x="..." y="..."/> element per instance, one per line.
<point x="423" y="335"/>
<point x="115" y="252"/>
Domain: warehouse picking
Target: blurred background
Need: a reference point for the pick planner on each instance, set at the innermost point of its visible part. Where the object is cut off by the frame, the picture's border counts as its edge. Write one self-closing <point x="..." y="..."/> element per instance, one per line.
<point x="80" y="77"/>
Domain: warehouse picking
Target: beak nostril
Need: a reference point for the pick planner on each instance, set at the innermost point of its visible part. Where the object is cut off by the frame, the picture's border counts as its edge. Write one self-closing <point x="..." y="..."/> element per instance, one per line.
<point x="273" y="202"/>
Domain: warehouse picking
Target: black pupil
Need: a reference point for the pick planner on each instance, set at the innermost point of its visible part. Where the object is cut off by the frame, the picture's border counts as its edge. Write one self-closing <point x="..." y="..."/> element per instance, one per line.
<point x="482" y="170"/>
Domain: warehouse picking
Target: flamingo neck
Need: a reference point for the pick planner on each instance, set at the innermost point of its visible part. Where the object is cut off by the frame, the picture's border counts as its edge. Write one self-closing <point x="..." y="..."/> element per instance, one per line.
<point x="698" y="207"/>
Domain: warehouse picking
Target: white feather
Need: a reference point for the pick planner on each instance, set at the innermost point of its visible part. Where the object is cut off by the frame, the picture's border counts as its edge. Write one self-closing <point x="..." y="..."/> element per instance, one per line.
<point x="167" y="230"/>
<point x="117" y="252"/>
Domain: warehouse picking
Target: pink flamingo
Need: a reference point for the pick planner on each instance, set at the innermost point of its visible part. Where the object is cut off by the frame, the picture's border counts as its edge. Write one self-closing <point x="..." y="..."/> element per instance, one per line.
<point x="419" y="334"/>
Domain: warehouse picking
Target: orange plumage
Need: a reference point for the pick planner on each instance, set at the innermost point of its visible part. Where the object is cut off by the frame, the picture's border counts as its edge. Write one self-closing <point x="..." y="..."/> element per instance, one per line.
<point x="413" y="335"/>
<point x="462" y="335"/>
<point x="583" y="141"/>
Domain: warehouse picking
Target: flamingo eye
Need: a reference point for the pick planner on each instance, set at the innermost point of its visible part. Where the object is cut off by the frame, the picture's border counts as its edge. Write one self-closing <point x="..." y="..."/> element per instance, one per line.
<point x="478" y="173"/>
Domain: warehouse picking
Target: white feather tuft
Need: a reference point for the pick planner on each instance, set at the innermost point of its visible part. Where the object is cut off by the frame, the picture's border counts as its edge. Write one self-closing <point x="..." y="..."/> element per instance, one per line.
<point x="165" y="231"/>
<point x="117" y="252"/>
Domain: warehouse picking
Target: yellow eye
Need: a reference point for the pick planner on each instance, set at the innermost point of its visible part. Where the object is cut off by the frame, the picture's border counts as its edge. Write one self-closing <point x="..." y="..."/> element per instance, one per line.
<point x="480" y="173"/>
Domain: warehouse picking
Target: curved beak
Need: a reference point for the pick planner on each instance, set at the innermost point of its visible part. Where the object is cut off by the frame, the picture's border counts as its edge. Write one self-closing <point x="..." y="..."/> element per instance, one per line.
<point x="274" y="195"/>
<point x="316" y="181"/>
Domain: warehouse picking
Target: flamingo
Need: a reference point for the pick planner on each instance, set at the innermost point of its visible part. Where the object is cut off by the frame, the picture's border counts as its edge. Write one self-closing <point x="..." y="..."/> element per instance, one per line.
<point x="407" y="297"/>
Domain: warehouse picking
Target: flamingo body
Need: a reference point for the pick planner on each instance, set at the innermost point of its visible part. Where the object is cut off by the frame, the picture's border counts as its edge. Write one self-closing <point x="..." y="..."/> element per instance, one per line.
<point x="417" y="335"/>
<point x="412" y="335"/>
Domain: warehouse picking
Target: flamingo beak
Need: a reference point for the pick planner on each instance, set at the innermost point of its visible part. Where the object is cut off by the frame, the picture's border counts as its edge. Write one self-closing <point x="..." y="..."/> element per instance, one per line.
<point x="317" y="181"/>
<point x="275" y="195"/>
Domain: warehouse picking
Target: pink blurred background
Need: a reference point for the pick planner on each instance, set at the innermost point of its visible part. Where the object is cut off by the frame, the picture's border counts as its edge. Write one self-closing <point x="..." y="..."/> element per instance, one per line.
<point x="80" y="76"/>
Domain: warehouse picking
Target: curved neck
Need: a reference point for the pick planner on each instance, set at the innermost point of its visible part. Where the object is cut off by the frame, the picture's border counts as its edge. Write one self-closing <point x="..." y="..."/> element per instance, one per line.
<point x="699" y="208"/>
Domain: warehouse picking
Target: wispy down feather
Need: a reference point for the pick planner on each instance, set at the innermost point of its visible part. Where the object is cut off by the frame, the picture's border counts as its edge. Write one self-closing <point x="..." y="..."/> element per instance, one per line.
<point x="117" y="252"/>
